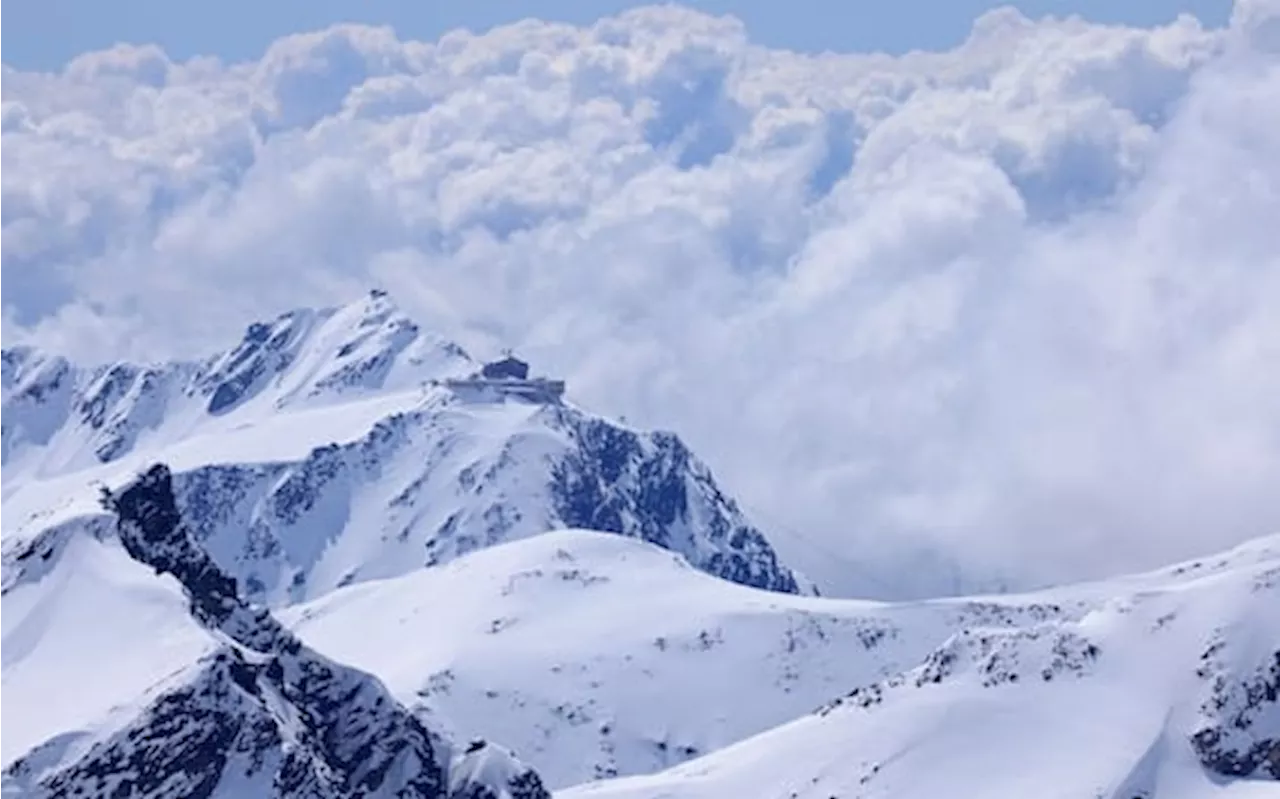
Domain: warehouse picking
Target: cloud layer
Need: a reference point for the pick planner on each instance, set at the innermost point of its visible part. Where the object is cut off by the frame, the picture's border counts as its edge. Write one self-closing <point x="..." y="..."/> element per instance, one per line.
<point x="1000" y="315"/>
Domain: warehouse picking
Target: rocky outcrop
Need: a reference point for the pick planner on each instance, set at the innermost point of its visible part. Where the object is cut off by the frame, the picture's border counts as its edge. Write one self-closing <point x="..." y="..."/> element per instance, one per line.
<point x="264" y="715"/>
<point x="1239" y="730"/>
<point x="650" y="486"/>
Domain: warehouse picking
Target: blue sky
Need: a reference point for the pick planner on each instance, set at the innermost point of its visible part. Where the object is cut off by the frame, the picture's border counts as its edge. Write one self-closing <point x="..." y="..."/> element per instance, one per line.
<point x="43" y="34"/>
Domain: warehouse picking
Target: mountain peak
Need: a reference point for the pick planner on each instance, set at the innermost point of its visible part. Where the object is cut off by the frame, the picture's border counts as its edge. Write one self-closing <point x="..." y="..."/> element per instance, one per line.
<point x="347" y="444"/>
<point x="300" y="359"/>
<point x="310" y="356"/>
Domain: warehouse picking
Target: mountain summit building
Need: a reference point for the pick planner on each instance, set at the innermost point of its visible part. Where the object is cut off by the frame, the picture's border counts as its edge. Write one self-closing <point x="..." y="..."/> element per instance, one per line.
<point x="509" y="368"/>
<point x="509" y="377"/>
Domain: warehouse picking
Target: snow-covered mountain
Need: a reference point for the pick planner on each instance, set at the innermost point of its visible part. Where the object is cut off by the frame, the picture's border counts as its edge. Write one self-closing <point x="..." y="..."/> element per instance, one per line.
<point x="261" y="715"/>
<point x="324" y="449"/>
<point x="528" y="573"/>
<point x="1166" y="690"/>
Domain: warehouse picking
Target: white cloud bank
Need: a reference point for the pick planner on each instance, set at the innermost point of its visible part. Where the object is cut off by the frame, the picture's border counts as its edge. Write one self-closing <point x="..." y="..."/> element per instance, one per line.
<point x="1009" y="312"/>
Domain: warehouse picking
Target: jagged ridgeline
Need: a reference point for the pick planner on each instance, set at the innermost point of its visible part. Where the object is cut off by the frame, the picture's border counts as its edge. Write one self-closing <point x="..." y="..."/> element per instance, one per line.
<point x="337" y="446"/>
<point x="263" y="715"/>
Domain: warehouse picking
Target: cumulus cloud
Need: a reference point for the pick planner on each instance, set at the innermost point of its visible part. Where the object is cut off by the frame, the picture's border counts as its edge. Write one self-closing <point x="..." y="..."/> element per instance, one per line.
<point x="1002" y="315"/>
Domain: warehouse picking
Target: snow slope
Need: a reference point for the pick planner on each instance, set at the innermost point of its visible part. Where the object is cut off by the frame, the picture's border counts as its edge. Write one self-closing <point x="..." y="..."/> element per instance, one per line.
<point x="322" y="451"/>
<point x="1167" y="691"/>
<point x="594" y="655"/>
<point x="92" y="635"/>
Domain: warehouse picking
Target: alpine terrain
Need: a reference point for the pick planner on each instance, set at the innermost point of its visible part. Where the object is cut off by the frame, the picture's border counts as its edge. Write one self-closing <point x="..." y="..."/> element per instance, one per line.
<point x="343" y="558"/>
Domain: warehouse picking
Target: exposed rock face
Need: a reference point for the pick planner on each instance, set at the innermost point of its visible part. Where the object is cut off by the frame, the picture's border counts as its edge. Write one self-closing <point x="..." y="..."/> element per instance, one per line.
<point x="264" y="715"/>
<point x="1239" y="732"/>
<point x="561" y="468"/>
<point x="650" y="486"/>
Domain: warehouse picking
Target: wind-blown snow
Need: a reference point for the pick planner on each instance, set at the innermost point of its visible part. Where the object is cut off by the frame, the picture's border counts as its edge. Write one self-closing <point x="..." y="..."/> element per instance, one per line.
<point x="1003" y="314"/>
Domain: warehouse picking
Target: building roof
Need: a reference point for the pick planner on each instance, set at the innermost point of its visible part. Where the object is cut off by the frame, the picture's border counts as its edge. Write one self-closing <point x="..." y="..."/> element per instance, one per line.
<point x="509" y="366"/>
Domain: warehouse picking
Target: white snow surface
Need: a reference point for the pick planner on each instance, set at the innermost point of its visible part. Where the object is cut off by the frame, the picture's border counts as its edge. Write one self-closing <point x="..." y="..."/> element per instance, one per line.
<point x="1023" y="710"/>
<point x="592" y="655"/>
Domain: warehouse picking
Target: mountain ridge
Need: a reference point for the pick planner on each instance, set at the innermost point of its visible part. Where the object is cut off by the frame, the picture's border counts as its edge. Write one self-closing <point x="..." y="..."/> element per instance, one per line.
<point x="327" y="447"/>
<point x="262" y="714"/>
